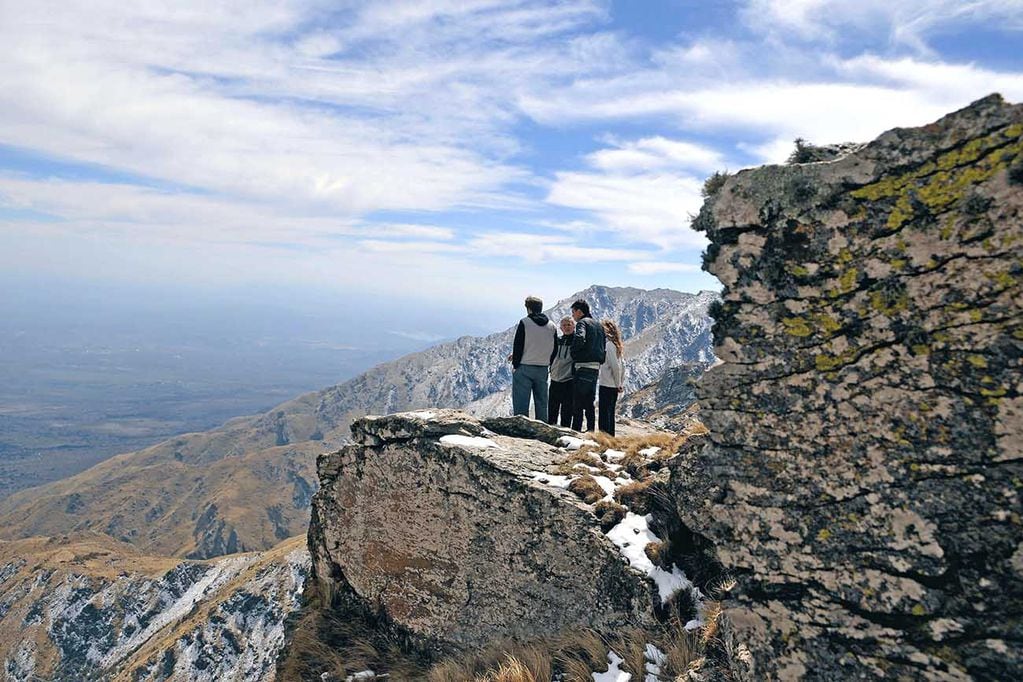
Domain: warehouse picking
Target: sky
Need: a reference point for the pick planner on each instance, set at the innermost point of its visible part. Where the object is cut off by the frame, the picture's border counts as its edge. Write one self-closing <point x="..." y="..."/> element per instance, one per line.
<point x="450" y="154"/>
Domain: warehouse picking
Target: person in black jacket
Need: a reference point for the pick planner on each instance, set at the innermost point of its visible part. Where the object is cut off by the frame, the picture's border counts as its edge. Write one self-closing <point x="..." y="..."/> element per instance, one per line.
<point x="588" y="350"/>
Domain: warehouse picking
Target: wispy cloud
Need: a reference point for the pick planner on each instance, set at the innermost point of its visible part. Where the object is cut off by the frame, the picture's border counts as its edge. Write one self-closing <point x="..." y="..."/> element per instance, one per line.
<point x="441" y="138"/>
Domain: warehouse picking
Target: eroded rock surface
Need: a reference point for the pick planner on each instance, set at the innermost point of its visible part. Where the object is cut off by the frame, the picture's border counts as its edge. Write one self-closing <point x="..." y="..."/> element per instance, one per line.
<point x="863" y="472"/>
<point x="461" y="536"/>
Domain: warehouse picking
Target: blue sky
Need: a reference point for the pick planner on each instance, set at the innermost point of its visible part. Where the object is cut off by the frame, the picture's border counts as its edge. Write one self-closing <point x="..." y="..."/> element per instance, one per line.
<point x="456" y="153"/>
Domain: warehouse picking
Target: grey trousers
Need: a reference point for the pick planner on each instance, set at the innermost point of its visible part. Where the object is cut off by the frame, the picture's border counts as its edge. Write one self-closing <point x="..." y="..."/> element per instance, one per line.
<point x="530" y="380"/>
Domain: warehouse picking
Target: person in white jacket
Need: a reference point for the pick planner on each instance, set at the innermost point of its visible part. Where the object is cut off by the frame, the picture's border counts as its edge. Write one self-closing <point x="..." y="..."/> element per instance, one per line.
<point x="611" y="378"/>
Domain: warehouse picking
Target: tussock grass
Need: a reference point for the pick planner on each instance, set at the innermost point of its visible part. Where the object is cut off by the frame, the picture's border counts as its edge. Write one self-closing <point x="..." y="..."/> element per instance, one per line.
<point x="577" y="654"/>
<point x="322" y="640"/>
<point x="587" y="488"/>
<point x="635" y="496"/>
<point x="608" y="514"/>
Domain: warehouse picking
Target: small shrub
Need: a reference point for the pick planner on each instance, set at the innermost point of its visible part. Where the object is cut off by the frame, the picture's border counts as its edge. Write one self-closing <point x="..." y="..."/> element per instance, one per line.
<point x="635" y="496"/>
<point x="714" y="183"/>
<point x="587" y="488"/>
<point x="804" y="152"/>
<point x="609" y="514"/>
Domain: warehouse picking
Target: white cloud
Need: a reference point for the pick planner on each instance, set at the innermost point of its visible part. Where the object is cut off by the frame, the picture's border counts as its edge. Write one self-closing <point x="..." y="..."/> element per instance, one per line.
<point x="539" y="248"/>
<point x="214" y="96"/>
<point x="905" y="21"/>
<point x="659" y="267"/>
<point x="651" y="208"/>
<point x="656" y="153"/>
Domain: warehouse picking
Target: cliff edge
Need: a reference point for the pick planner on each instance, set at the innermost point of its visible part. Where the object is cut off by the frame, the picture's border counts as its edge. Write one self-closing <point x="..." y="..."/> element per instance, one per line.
<point x="862" y="475"/>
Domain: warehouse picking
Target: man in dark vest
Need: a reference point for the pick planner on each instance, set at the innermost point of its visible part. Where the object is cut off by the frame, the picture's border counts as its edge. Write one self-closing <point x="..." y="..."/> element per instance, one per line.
<point x="588" y="349"/>
<point x="532" y="354"/>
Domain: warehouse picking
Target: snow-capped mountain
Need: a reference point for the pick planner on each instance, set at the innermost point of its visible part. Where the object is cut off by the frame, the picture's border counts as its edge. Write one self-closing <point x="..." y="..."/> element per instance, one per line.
<point x="92" y="608"/>
<point x="661" y="328"/>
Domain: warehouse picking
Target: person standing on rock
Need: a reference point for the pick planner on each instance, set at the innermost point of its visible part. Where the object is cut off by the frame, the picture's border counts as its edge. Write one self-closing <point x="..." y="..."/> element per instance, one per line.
<point x="611" y="378"/>
<point x="532" y="354"/>
<point x="560" y="394"/>
<point x="588" y="350"/>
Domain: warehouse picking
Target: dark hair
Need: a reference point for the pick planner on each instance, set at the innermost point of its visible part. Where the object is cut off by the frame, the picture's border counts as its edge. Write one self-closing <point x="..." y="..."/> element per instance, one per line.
<point x="582" y="306"/>
<point x="534" y="304"/>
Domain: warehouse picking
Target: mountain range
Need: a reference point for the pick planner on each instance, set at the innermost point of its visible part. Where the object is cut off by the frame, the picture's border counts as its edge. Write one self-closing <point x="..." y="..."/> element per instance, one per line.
<point x="181" y="561"/>
<point x="246" y="485"/>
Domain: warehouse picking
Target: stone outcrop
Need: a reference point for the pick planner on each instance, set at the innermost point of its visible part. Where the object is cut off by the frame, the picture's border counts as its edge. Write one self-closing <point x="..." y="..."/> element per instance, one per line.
<point x="862" y="476"/>
<point x="458" y="536"/>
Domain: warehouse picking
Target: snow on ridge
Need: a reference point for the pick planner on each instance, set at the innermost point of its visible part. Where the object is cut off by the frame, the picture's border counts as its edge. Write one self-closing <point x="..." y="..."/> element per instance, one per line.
<point x="218" y="574"/>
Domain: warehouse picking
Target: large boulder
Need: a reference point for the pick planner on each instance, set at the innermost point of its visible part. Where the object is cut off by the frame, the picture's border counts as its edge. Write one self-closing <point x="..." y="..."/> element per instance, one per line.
<point x="458" y="536"/>
<point x="863" y="471"/>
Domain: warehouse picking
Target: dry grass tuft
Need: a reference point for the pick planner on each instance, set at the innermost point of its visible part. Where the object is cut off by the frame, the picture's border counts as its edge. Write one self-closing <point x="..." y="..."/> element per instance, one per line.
<point x="683" y="650"/>
<point x="631" y="646"/>
<point x="635" y="496"/>
<point x="657" y="552"/>
<point x="587" y="488"/>
<point x="711" y="615"/>
<point x="587" y="456"/>
<point x="579" y="654"/>
<point x="323" y="641"/>
<point x="507" y="662"/>
<point x="609" y="514"/>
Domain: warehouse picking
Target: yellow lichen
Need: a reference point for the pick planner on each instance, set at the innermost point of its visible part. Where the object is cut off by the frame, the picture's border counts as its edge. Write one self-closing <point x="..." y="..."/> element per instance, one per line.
<point x="796" y="326"/>
<point x="978" y="361"/>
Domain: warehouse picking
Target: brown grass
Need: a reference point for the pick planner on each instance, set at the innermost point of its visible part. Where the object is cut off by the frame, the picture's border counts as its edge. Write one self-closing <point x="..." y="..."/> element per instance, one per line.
<point x="635" y="496"/>
<point x="510" y="662"/>
<point x="587" y="488"/>
<point x="609" y="514"/>
<point x="587" y="456"/>
<point x="656" y="552"/>
<point x="325" y="641"/>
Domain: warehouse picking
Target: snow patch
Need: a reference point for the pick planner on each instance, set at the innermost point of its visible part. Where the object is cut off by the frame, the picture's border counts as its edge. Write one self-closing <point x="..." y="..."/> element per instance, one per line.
<point x="655" y="660"/>
<point x="467" y="441"/>
<point x="614" y="672"/>
<point x="613" y="454"/>
<point x="571" y="442"/>
<point x="607" y="485"/>
<point x="218" y="574"/>
<point x="550" y="479"/>
<point x="631" y="536"/>
<point x="650" y="451"/>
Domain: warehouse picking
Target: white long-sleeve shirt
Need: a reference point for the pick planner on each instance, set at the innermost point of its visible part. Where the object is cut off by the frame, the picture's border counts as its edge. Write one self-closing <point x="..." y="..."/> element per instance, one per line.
<point x="612" y="370"/>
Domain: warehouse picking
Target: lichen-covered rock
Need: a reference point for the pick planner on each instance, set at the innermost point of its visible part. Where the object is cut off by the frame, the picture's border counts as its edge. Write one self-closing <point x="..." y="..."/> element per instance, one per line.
<point x="863" y="474"/>
<point x="459" y="536"/>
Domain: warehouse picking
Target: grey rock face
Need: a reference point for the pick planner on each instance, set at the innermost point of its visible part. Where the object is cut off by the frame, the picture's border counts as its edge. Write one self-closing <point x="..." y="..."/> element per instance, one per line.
<point x="448" y="529"/>
<point x="91" y="609"/>
<point x="863" y="472"/>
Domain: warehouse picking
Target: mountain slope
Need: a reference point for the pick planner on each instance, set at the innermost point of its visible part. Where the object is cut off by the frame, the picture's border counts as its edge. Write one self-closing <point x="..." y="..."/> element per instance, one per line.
<point x="247" y="484"/>
<point x="90" y="607"/>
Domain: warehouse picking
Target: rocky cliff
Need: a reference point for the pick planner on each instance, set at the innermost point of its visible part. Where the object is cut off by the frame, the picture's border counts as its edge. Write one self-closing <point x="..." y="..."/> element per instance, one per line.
<point x="863" y="472"/>
<point x="454" y="534"/>
<point x="89" y="608"/>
